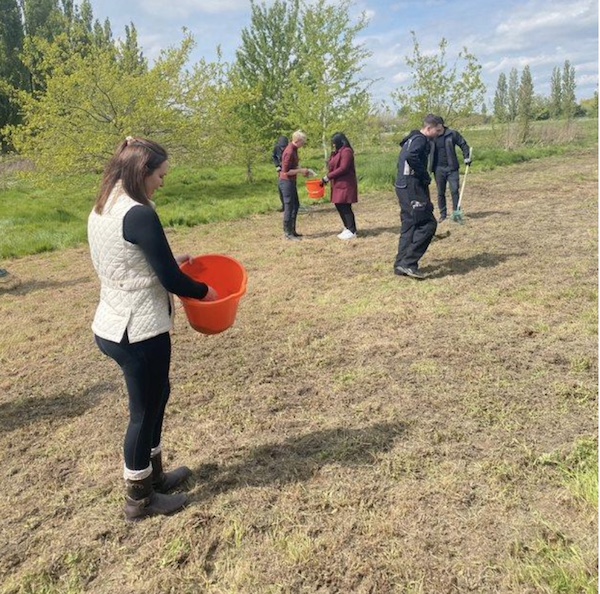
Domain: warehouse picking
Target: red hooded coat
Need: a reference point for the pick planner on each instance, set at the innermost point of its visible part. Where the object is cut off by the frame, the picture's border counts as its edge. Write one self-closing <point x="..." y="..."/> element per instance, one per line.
<point x="344" y="184"/>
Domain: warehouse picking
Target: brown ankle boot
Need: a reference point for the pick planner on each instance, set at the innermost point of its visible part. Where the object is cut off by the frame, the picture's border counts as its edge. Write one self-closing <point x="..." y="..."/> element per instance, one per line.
<point x="142" y="501"/>
<point x="163" y="482"/>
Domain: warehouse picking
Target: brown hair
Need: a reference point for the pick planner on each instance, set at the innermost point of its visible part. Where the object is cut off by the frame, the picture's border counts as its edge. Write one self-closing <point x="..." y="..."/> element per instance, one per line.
<point x="134" y="160"/>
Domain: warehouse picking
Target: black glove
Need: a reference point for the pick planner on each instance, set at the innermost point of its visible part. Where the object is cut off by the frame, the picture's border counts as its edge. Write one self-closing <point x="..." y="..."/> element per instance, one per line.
<point x="468" y="161"/>
<point x="426" y="180"/>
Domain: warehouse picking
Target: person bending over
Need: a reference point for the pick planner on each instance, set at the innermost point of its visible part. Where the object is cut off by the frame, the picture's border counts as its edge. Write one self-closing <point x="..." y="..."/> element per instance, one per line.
<point x="418" y="224"/>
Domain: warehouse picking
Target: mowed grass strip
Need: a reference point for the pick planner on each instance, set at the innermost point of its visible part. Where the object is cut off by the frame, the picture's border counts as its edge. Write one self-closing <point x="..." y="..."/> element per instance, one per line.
<point x="42" y="213"/>
<point x="353" y="432"/>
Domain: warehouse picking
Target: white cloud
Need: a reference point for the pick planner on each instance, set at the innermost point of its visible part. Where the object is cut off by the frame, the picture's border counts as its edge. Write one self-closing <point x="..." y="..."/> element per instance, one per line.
<point x="548" y="19"/>
<point x="401" y="77"/>
<point x="587" y="79"/>
<point x="542" y="23"/>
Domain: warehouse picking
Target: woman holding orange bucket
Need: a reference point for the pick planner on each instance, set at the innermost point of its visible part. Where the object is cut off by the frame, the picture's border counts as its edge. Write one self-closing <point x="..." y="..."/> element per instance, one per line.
<point x="344" y="186"/>
<point x="138" y="272"/>
<point x="290" y="169"/>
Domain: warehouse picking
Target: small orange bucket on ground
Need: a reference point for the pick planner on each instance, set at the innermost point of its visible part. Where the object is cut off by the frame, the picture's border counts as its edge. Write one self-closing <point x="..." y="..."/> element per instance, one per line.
<point x="315" y="189"/>
<point x="228" y="278"/>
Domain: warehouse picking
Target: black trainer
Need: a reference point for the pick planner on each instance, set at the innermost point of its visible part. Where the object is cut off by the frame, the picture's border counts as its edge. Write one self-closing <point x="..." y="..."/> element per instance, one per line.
<point x="406" y="271"/>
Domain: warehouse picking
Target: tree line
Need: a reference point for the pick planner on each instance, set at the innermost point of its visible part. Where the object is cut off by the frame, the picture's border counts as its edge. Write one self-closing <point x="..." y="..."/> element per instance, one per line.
<point x="515" y="95"/>
<point x="70" y="91"/>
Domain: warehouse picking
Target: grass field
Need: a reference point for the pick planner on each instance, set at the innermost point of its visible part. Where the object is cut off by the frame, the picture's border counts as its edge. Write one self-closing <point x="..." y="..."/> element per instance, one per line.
<point x="40" y="215"/>
<point x="354" y="432"/>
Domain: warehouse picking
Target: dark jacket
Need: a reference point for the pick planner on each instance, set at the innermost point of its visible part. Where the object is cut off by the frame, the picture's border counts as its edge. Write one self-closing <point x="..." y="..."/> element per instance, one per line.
<point x="413" y="159"/>
<point x="278" y="151"/>
<point x="452" y="138"/>
<point x="344" y="184"/>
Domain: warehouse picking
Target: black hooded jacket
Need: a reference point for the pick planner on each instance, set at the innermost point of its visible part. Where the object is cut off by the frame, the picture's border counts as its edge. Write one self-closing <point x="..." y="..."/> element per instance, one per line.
<point x="413" y="158"/>
<point x="278" y="151"/>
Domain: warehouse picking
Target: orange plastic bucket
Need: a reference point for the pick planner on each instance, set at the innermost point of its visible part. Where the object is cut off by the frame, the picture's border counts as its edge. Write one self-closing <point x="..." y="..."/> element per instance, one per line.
<point x="228" y="278"/>
<point x="315" y="189"/>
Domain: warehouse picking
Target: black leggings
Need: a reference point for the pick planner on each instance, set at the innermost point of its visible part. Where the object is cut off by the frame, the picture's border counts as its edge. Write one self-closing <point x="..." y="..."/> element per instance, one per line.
<point x="145" y="366"/>
<point x="347" y="216"/>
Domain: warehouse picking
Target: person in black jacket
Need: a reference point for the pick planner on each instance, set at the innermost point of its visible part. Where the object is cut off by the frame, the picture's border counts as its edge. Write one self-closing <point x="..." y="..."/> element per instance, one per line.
<point x="444" y="166"/>
<point x="277" y="152"/>
<point x="418" y="224"/>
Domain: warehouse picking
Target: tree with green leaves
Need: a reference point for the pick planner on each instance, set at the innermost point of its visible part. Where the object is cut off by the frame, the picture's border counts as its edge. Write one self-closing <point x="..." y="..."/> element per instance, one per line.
<point x="245" y="133"/>
<point x="513" y="94"/>
<point x="326" y="93"/>
<point x="265" y="58"/>
<point x="501" y="99"/>
<point x="440" y="88"/>
<point x="301" y="63"/>
<point x="13" y="74"/>
<point x="525" y="103"/>
<point x="556" y="101"/>
<point x="42" y="18"/>
<point x="568" y="99"/>
<point x="72" y="26"/>
<point x="130" y="54"/>
<point x="92" y="102"/>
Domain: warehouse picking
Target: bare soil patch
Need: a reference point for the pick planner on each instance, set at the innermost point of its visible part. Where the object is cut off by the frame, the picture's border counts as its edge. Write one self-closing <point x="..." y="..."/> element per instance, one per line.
<point x="355" y="432"/>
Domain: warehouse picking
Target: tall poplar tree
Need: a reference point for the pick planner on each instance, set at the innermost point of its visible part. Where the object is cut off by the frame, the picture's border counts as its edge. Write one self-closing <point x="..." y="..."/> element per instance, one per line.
<point x="568" y="99"/>
<point x="526" y="102"/>
<point x="131" y="56"/>
<point x="556" y="102"/>
<point x="513" y="94"/>
<point x="42" y="18"/>
<point x="501" y="99"/>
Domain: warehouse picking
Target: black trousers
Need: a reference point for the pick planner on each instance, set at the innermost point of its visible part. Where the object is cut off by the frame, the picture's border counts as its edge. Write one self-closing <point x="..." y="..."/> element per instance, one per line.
<point x="291" y="204"/>
<point x="347" y="216"/>
<point x="145" y="366"/>
<point x="417" y="224"/>
<point x="280" y="195"/>
<point x="446" y="176"/>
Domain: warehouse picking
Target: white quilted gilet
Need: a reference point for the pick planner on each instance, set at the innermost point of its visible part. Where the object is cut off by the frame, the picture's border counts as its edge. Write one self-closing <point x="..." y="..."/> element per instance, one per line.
<point x="131" y="296"/>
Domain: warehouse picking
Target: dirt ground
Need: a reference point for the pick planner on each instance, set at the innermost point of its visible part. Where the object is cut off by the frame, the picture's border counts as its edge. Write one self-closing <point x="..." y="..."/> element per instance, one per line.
<point x="354" y="432"/>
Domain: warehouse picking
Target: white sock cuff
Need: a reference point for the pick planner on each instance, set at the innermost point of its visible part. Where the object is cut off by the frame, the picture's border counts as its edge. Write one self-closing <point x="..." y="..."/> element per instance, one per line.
<point x="155" y="451"/>
<point x="136" y="475"/>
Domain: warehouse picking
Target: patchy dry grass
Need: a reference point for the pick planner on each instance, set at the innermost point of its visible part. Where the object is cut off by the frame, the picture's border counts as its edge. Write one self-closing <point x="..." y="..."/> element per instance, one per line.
<point x="355" y="432"/>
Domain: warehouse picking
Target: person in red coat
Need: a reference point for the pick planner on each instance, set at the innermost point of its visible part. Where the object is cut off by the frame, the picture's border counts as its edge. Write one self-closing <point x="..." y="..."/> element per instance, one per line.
<point x="344" y="183"/>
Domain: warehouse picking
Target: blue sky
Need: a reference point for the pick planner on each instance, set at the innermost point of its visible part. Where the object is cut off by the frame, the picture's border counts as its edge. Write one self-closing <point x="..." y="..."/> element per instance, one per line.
<point x="502" y="35"/>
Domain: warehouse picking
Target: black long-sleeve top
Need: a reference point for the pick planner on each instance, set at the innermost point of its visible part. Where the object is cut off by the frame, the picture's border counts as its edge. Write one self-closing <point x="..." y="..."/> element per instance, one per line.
<point x="142" y="227"/>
